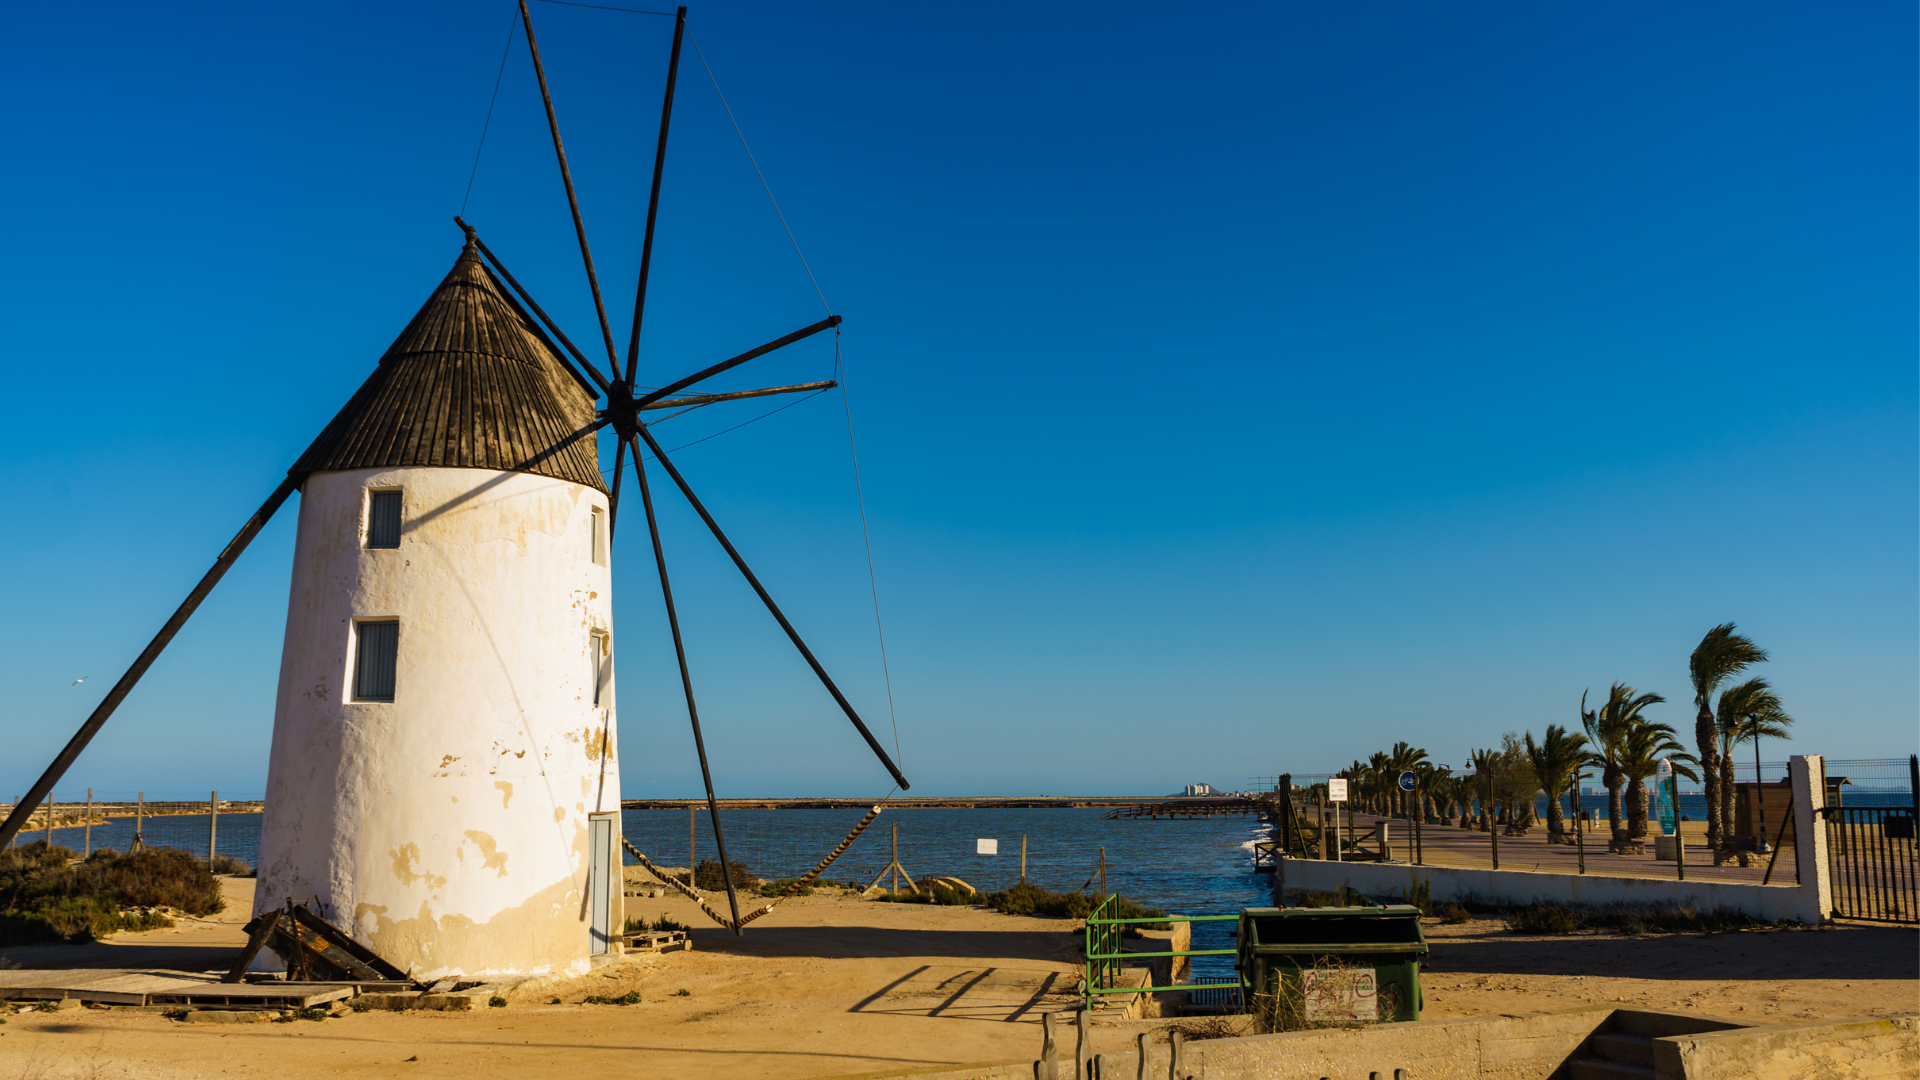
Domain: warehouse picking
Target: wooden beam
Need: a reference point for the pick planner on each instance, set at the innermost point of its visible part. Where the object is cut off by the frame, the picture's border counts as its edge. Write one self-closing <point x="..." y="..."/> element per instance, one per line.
<point x="739" y="395"/>
<point x="653" y="200"/>
<point x="672" y="388"/>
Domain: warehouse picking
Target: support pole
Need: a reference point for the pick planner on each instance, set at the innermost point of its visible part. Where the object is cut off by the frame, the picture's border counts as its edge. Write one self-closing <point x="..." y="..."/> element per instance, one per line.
<point x="213" y="827"/>
<point x="139" y="842"/>
<point x="686" y="679"/>
<point x="49" y="805"/>
<point x="653" y="199"/>
<point x="1103" y="872"/>
<point x="692" y="818"/>
<point x="566" y="177"/>
<point x="1579" y="824"/>
<point x="1679" y="837"/>
<point x="86" y="843"/>
<point x="1023" y="858"/>
<point x="61" y="763"/>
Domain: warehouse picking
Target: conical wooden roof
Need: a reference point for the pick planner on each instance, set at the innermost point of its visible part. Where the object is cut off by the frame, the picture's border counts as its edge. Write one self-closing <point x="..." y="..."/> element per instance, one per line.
<point x="471" y="382"/>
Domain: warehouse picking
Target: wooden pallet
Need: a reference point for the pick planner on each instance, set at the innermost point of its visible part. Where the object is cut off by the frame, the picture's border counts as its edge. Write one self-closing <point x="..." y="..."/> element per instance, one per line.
<point x="657" y="941"/>
<point x="120" y="986"/>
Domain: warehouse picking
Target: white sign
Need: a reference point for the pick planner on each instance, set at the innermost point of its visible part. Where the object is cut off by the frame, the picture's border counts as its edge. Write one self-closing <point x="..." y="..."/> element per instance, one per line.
<point x="1350" y="995"/>
<point x="1337" y="789"/>
<point x="986" y="847"/>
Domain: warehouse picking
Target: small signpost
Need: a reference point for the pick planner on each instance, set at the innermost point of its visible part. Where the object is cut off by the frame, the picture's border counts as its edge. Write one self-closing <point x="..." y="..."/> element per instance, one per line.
<point x="1336" y="794"/>
<point x="986" y="847"/>
<point x="1409" y="781"/>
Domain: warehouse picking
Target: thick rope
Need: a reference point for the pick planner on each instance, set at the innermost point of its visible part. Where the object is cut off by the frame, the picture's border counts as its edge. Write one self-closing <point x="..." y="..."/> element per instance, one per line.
<point x="792" y="888"/>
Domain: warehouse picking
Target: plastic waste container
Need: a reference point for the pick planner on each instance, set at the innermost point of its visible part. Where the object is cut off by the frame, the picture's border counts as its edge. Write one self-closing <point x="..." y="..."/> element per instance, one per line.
<point x="1331" y="967"/>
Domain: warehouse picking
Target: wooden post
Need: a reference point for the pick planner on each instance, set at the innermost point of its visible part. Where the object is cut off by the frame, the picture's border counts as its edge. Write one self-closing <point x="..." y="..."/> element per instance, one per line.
<point x="1321" y="806"/>
<point x="86" y="843"/>
<point x="1679" y="838"/>
<point x="1023" y="858"/>
<point x="690" y="825"/>
<point x="1103" y="872"/>
<point x="213" y="825"/>
<point x="1049" y="1049"/>
<point x="49" y="805"/>
<point x="1083" y="1048"/>
<point x="139" y="842"/>
<point x="1493" y="831"/>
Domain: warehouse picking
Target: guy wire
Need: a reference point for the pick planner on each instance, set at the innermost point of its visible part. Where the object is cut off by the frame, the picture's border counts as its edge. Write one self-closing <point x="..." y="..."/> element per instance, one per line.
<point x="873" y="584"/>
<point x="757" y="171"/>
<point x="512" y="27"/>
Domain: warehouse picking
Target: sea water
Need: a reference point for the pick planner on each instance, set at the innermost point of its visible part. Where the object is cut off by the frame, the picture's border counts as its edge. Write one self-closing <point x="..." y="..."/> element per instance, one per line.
<point x="1192" y="867"/>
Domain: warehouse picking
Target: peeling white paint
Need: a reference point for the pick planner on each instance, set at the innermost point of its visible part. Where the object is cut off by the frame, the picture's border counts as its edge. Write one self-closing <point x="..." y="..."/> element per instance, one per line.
<point x="370" y="804"/>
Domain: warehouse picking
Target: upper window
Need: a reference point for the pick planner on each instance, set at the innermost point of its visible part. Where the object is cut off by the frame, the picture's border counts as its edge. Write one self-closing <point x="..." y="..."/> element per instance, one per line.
<point x="383" y="519"/>
<point x="376" y="652"/>
<point x="597" y="542"/>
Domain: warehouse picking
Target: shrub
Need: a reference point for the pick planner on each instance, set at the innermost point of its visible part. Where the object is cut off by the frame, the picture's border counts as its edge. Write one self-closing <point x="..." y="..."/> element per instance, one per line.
<point x="44" y="898"/>
<point x="631" y="997"/>
<point x="683" y="992"/>
<point x="1420" y="895"/>
<point x="662" y="923"/>
<point x="496" y="1002"/>
<point x="931" y="894"/>
<point x="229" y="866"/>
<point x="710" y="877"/>
<point x="1545" y="919"/>
<point x="1453" y="914"/>
<point x="780" y="887"/>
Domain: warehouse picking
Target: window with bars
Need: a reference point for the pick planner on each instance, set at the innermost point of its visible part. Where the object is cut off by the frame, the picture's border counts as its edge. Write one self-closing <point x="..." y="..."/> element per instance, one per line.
<point x="383" y="519"/>
<point x="376" y="651"/>
<point x="600" y="653"/>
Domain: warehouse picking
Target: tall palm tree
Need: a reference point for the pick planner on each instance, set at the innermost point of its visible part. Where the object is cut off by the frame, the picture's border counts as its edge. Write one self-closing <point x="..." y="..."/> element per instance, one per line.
<point x="1556" y="759"/>
<point x="1606" y="727"/>
<point x="1640" y="753"/>
<point x="1377" y="767"/>
<point x="1720" y="655"/>
<point x="1486" y="768"/>
<point x="1750" y="710"/>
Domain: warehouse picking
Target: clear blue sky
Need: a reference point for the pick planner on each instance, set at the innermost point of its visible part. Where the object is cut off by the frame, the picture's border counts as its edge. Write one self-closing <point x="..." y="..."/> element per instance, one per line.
<point x="1238" y="389"/>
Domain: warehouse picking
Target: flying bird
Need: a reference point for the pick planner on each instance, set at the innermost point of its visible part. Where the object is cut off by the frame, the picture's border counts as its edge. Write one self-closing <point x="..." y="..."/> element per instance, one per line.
<point x="80" y="680"/>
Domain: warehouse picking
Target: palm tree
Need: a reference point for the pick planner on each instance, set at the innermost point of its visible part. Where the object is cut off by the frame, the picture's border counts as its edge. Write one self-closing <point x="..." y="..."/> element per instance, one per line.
<point x="1606" y="727"/>
<point x="1556" y="758"/>
<point x="1720" y="655"/>
<point x="1750" y="710"/>
<point x="1640" y="753"/>
<point x="1377" y="767"/>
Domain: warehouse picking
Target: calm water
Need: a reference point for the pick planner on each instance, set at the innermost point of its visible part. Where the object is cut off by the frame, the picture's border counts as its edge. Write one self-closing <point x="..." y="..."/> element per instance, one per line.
<point x="1188" y="867"/>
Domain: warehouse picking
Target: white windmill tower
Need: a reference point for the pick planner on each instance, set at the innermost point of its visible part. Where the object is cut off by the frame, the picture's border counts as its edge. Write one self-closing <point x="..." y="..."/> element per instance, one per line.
<point x="444" y="733"/>
<point x="443" y="781"/>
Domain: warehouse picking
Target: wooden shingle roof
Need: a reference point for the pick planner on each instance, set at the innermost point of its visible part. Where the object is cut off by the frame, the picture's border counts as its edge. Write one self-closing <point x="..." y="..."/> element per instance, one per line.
<point x="471" y="382"/>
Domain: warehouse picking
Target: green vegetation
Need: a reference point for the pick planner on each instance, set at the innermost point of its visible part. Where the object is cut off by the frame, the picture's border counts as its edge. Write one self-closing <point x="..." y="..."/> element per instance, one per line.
<point x="779" y="888"/>
<point x="1453" y="914"/>
<point x="631" y="997"/>
<point x="664" y="922"/>
<point x="932" y="894"/>
<point x="496" y="1002"/>
<point x="709" y="876"/>
<point x="46" y="897"/>
<point x="1632" y="919"/>
<point x="683" y="992"/>
<point x="1420" y="895"/>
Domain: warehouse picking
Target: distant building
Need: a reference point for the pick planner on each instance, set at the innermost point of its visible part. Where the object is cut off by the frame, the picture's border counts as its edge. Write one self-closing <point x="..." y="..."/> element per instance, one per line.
<point x="1195" y="791"/>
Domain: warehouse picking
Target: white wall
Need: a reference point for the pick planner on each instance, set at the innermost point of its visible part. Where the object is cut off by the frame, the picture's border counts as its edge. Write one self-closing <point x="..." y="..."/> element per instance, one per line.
<point x="447" y="828"/>
<point x="1809" y="901"/>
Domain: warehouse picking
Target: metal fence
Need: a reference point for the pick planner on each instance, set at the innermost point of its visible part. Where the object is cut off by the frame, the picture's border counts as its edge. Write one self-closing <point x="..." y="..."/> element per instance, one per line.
<point x="1105" y="956"/>
<point x="1871" y="853"/>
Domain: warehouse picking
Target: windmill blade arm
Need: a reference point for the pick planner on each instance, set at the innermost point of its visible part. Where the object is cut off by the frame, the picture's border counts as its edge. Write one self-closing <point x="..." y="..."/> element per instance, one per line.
<point x="773" y="608"/>
<point x="827" y="323"/>
<point x="41" y="787"/>
<point x="741" y="395"/>
<point x="592" y="372"/>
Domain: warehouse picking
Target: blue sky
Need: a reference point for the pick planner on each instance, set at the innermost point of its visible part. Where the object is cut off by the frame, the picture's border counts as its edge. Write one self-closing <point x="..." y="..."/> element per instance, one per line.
<point x="1238" y="389"/>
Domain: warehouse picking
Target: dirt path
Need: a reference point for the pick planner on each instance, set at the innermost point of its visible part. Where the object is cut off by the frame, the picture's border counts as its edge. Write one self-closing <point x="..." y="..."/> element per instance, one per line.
<point x="831" y="986"/>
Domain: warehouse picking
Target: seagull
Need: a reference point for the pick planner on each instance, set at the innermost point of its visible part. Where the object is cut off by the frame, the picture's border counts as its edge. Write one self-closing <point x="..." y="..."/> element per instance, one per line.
<point x="80" y="680"/>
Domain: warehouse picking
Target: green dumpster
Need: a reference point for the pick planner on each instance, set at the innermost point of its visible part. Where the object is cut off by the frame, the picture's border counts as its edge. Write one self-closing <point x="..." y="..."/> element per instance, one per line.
<point x="1331" y="967"/>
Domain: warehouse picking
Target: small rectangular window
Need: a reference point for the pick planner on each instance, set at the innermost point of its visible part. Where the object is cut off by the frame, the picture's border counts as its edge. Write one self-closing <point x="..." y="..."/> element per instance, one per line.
<point x="601" y="657"/>
<point x="376" y="650"/>
<point x="597" y="543"/>
<point x="383" y="519"/>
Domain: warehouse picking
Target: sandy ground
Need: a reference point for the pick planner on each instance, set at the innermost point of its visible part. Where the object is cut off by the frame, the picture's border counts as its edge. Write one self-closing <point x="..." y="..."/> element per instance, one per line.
<point x="830" y="986"/>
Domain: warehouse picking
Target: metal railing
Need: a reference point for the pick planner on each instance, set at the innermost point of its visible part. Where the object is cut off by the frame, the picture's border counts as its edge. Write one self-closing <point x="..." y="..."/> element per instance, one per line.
<point x="1106" y="934"/>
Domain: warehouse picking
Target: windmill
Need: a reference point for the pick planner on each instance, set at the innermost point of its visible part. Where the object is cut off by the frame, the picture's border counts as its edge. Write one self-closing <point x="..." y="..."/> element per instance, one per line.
<point x="450" y="574"/>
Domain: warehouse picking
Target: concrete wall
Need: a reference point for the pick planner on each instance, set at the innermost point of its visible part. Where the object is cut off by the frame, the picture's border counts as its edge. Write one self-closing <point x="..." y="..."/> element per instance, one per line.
<point x="1851" y="1049"/>
<point x="447" y="828"/>
<point x="1809" y="902"/>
